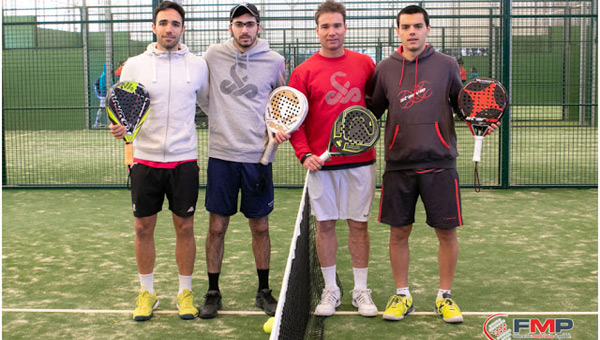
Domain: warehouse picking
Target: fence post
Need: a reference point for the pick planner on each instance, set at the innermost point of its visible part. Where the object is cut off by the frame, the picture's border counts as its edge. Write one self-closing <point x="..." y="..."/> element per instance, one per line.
<point x="506" y="68"/>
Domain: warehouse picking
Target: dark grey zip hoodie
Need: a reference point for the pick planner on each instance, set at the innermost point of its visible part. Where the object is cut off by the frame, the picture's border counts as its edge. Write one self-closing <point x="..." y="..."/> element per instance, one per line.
<point x="420" y="96"/>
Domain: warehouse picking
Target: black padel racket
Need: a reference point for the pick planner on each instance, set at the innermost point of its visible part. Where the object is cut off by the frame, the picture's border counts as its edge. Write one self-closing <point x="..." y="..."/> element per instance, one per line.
<point x="128" y="104"/>
<point x="482" y="102"/>
<point x="354" y="131"/>
<point x="285" y="112"/>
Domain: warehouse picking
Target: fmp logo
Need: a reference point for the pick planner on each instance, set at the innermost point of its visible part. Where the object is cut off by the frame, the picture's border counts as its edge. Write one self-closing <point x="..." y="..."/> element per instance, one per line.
<point x="495" y="328"/>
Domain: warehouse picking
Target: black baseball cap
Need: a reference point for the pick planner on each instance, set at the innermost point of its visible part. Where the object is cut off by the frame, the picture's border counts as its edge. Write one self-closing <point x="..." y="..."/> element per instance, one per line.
<point x="242" y="9"/>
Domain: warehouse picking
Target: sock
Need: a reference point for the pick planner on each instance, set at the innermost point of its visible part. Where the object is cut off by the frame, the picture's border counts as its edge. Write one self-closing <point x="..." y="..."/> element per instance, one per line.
<point x="263" y="279"/>
<point x="360" y="278"/>
<point x="403" y="291"/>
<point x="441" y="293"/>
<point x="185" y="282"/>
<point x="213" y="281"/>
<point x="329" y="276"/>
<point x="147" y="282"/>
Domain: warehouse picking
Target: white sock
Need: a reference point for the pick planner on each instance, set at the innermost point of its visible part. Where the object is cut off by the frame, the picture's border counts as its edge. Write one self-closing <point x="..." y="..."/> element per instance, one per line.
<point x="360" y="278"/>
<point x="329" y="276"/>
<point x="147" y="282"/>
<point x="185" y="282"/>
<point x="441" y="293"/>
<point x="403" y="291"/>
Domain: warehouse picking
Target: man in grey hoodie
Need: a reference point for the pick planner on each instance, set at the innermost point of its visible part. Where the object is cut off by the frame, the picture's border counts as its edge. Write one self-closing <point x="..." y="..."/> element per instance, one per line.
<point x="243" y="72"/>
<point x="165" y="153"/>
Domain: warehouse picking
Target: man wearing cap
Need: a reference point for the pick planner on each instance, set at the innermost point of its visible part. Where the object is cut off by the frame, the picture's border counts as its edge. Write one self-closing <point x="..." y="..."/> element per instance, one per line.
<point x="243" y="72"/>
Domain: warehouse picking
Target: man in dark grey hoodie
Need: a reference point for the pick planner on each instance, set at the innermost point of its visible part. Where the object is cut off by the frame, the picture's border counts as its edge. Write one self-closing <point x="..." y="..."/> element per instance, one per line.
<point x="419" y="87"/>
<point x="243" y="72"/>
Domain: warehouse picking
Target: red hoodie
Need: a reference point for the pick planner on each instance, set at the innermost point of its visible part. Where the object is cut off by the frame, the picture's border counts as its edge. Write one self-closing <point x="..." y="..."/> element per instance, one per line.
<point x="330" y="85"/>
<point x="420" y="96"/>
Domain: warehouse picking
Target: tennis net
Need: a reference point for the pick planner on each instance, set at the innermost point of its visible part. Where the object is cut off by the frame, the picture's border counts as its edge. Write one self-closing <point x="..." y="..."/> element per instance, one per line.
<point x="302" y="282"/>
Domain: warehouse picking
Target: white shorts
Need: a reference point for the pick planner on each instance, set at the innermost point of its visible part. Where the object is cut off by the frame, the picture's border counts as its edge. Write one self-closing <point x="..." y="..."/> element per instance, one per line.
<point x="342" y="194"/>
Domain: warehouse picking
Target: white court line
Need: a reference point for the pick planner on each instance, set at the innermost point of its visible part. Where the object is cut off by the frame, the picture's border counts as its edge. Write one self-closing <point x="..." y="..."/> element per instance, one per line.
<point x="108" y="311"/>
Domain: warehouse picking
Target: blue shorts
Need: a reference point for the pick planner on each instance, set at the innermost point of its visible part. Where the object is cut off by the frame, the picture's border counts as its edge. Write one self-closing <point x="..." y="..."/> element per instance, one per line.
<point x="224" y="181"/>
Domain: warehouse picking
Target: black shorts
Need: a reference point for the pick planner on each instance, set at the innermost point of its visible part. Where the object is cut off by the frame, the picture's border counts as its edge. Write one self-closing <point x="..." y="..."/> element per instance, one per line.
<point x="226" y="179"/>
<point x="439" y="190"/>
<point x="150" y="185"/>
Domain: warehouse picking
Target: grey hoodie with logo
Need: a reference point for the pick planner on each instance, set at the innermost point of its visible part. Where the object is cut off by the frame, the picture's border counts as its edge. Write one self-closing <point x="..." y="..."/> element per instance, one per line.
<point x="240" y="84"/>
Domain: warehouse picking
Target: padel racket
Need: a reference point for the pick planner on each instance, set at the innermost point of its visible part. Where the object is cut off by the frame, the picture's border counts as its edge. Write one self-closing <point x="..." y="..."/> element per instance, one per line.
<point x="482" y="102"/>
<point x="128" y="104"/>
<point x="285" y="112"/>
<point x="354" y="131"/>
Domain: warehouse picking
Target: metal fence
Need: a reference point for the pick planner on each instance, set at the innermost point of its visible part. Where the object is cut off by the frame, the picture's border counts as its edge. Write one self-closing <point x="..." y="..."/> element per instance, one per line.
<point x="545" y="52"/>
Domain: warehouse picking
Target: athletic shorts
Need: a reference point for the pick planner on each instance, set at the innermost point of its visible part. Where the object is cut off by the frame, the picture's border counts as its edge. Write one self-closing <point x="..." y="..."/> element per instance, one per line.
<point x="439" y="190"/>
<point x="225" y="179"/>
<point x="344" y="194"/>
<point x="150" y="185"/>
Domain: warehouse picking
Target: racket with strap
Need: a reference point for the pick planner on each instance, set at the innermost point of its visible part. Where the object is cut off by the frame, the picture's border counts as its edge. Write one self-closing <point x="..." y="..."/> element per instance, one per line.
<point x="354" y="131"/>
<point x="128" y="104"/>
<point x="482" y="102"/>
<point x="285" y="112"/>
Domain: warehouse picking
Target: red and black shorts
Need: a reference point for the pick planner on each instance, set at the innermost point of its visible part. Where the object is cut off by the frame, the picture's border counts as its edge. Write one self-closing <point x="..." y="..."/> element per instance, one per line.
<point x="438" y="188"/>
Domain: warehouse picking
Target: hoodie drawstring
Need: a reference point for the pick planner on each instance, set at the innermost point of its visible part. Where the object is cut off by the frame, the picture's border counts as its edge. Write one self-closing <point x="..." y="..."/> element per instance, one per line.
<point x="402" y="74"/>
<point x="187" y="70"/>
<point x="153" y="68"/>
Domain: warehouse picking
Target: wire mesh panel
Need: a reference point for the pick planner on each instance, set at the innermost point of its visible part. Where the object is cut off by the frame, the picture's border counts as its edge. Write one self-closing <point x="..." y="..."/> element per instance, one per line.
<point x="59" y="57"/>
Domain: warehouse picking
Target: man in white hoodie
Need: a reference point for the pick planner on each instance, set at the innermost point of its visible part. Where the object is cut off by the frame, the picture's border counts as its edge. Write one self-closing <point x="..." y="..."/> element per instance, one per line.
<point x="243" y="72"/>
<point x="165" y="153"/>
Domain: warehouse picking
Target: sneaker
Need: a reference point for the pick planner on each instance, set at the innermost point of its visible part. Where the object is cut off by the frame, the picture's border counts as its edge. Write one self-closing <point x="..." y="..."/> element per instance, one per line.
<point x="448" y="309"/>
<point x="211" y="305"/>
<point x="185" y="304"/>
<point x="146" y="304"/>
<point x="330" y="299"/>
<point x="398" y="307"/>
<point x="362" y="300"/>
<point x="266" y="301"/>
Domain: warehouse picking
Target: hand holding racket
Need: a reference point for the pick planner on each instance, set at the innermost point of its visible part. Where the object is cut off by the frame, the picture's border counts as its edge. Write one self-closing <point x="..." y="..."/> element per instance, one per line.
<point x="354" y="131"/>
<point x="482" y="102"/>
<point x="128" y="104"/>
<point x="285" y="112"/>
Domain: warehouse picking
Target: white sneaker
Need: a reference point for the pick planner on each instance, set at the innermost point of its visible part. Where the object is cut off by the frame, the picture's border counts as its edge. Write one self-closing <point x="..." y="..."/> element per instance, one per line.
<point x="330" y="299"/>
<point x="362" y="300"/>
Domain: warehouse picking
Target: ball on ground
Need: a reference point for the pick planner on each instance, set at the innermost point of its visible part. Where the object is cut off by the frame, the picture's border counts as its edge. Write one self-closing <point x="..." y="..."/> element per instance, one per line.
<point x="268" y="326"/>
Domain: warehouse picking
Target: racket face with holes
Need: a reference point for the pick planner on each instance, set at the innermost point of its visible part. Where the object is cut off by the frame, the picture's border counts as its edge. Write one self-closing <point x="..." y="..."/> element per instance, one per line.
<point x="286" y="110"/>
<point x="127" y="104"/>
<point x="355" y="131"/>
<point x="482" y="102"/>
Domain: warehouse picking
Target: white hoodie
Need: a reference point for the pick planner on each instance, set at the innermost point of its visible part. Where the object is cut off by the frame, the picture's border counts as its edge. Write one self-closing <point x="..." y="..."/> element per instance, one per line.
<point x="175" y="81"/>
<point x="240" y="84"/>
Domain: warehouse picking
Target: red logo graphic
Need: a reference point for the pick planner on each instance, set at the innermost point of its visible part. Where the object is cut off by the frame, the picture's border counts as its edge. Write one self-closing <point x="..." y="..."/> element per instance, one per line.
<point x="408" y="98"/>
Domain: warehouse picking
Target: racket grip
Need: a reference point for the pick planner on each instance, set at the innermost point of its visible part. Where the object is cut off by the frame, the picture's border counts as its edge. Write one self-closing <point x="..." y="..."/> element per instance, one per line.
<point x="477" y="148"/>
<point x="264" y="160"/>
<point x="128" y="153"/>
<point x="325" y="156"/>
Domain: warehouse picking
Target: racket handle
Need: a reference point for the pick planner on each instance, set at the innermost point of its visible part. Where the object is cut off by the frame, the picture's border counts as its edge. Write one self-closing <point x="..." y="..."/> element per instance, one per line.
<point x="264" y="160"/>
<point x="129" y="153"/>
<point x="325" y="156"/>
<point x="477" y="148"/>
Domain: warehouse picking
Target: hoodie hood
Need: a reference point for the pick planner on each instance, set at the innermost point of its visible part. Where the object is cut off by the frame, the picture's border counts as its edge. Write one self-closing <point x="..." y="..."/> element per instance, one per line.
<point x="427" y="52"/>
<point x="182" y="52"/>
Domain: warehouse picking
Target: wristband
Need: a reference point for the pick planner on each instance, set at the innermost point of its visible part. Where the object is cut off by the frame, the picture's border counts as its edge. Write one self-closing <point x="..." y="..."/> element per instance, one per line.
<point x="306" y="155"/>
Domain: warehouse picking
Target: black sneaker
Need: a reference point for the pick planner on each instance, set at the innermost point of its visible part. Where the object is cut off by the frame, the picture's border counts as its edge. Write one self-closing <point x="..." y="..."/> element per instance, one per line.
<point x="211" y="305"/>
<point x="266" y="301"/>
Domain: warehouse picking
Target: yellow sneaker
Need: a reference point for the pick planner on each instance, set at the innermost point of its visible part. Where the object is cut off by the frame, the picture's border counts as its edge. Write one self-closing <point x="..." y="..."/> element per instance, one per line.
<point x="146" y="304"/>
<point x="398" y="307"/>
<point x="185" y="304"/>
<point x="447" y="308"/>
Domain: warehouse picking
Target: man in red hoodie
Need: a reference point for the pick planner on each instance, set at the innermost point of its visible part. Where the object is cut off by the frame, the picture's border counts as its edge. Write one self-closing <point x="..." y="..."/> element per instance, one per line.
<point x="342" y="188"/>
<point x="419" y="87"/>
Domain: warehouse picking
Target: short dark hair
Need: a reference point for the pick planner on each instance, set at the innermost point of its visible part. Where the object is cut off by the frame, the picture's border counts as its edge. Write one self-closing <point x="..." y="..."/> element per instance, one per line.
<point x="330" y="6"/>
<point x="413" y="9"/>
<point x="166" y="5"/>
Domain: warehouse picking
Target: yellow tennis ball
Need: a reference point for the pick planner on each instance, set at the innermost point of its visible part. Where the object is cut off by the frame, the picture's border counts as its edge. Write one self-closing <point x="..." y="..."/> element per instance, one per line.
<point x="268" y="326"/>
